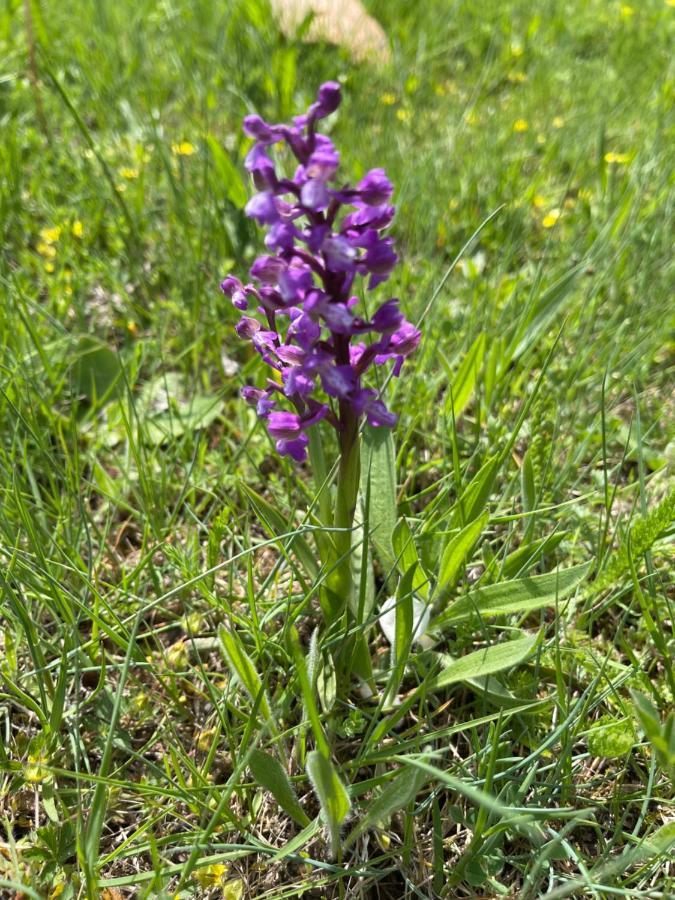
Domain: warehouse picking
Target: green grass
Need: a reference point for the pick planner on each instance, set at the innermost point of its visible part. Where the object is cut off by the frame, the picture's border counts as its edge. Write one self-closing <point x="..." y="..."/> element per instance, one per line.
<point x="128" y="540"/>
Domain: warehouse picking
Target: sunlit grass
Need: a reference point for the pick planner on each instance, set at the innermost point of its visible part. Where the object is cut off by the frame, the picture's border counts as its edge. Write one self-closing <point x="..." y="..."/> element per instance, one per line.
<point x="128" y="540"/>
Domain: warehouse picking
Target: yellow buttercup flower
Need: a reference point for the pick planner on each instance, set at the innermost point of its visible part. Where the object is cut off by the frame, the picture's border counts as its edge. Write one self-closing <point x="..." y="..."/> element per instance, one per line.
<point x="51" y="235"/>
<point x="558" y="122"/>
<point x="538" y="201"/>
<point x="128" y="173"/>
<point x="626" y="11"/>
<point x="402" y="115"/>
<point x="550" y="218"/>
<point x="46" y="250"/>
<point x="77" y="229"/>
<point x="517" y="77"/>
<point x="185" y="148"/>
<point x="616" y="158"/>
<point x="520" y="125"/>
<point x="388" y="99"/>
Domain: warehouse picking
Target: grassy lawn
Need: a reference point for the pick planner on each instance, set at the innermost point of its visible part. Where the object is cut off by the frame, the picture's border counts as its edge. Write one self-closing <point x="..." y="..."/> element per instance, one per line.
<point x="141" y="502"/>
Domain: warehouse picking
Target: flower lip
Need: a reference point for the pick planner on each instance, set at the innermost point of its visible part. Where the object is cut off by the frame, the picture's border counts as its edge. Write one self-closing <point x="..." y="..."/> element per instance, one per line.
<point x="284" y="425"/>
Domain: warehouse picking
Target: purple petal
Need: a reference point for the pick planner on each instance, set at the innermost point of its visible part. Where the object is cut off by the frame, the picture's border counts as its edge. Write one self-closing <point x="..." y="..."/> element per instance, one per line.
<point x="262" y="208"/>
<point x="296" y="448"/>
<point x="246" y="327"/>
<point x="314" y="195"/>
<point x="284" y="425"/>
<point x="267" y="269"/>
<point x="375" y="188"/>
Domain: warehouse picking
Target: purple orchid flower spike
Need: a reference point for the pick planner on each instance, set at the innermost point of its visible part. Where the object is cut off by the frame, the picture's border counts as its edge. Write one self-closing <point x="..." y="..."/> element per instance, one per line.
<point x="320" y="237"/>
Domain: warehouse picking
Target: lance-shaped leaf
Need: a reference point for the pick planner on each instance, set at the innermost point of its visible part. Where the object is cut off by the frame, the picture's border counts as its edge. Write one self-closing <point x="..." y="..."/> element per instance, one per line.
<point x="522" y="595"/>
<point x="269" y="774"/>
<point x="397" y="794"/>
<point x="242" y="666"/>
<point x="331" y="793"/>
<point x="486" y="661"/>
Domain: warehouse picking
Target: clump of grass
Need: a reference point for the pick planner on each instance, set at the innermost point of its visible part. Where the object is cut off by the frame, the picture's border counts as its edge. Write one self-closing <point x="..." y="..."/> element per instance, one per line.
<point x="533" y="441"/>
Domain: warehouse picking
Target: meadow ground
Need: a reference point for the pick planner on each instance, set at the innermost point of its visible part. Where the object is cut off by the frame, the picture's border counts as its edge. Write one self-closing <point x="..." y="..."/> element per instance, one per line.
<point x="129" y="535"/>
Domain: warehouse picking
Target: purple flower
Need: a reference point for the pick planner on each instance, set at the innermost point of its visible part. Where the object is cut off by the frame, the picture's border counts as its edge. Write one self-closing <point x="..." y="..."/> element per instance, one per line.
<point x="321" y="236"/>
<point x="375" y="188"/>
<point x="262" y="208"/>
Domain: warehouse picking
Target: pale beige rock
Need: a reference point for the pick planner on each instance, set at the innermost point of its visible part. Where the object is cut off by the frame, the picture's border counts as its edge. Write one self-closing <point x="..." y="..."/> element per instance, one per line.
<point x="342" y="22"/>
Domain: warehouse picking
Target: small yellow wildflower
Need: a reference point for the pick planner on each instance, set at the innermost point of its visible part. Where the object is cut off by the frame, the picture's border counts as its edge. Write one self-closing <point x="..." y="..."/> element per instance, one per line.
<point x="210" y="876"/>
<point x="77" y="229"/>
<point x="51" y="235"/>
<point x="616" y="158"/>
<point x="550" y="218"/>
<point x="520" y="125"/>
<point x="516" y="49"/>
<point x="128" y="173"/>
<point x="558" y="122"/>
<point x="388" y="99"/>
<point x="49" y="268"/>
<point x="538" y="201"/>
<point x="626" y="11"/>
<point x="46" y="250"/>
<point x="132" y="327"/>
<point x="541" y="138"/>
<point x="471" y="118"/>
<point x="185" y="148"/>
<point x="670" y="2"/>
<point x="121" y="187"/>
<point x="402" y="115"/>
<point x="517" y="77"/>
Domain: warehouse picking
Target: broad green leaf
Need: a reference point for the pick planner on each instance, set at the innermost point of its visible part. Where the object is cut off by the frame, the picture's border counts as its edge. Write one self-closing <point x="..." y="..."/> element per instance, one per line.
<point x="242" y="666"/>
<point x="378" y="476"/>
<point x="228" y="173"/>
<point x="396" y="794"/>
<point x="465" y="378"/>
<point x="528" y="555"/>
<point x="96" y="371"/>
<point x="331" y="793"/>
<point x="269" y="774"/>
<point x="522" y="595"/>
<point x="455" y="555"/>
<point x="486" y="661"/>
<point x="611" y="737"/>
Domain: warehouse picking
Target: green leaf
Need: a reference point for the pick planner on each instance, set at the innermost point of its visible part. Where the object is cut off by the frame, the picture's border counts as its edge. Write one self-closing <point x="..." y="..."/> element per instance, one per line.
<point x="378" y="475"/>
<point x="545" y="310"/>
<point x="331" y="792"/>
<point x="276" y="525"/>
<point x="465" y="378"/>
<point x="527" y="485"/>
<point x="396" y="794"/>
<point x="611" y="737"/>
<point x="96" y="371"/>
<point x="474" y="499"/>
<point x="228" y="173"/>
<point x="487" y="661"/>
<point x="522" y="595"/>
<point x="269" y="774"/>
<point x="307" y="691"/>
<point x="408" y="558"/>
<point x="455" y="554"/>
<point x="242" y="666"/>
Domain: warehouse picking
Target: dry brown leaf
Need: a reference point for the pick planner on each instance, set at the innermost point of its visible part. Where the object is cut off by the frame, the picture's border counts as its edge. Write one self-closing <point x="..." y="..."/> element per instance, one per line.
<point x="342" y="22"/>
